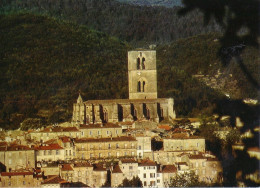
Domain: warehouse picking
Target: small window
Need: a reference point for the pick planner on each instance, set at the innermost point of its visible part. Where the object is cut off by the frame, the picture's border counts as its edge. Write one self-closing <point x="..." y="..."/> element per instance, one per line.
<point x="138" y="63"/>
<point x="130" y="167"/>
<point x="143" y="86"/>
<point x="144" y="175"/>
<point x="139" y="86"/>
<point x="143" y="65"/>
<point x="145" y="183"/>
<point x="90" y="133"/>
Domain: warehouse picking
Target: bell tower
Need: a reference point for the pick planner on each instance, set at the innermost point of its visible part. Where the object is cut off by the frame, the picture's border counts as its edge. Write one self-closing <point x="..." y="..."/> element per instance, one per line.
<point x="142" y="74"/>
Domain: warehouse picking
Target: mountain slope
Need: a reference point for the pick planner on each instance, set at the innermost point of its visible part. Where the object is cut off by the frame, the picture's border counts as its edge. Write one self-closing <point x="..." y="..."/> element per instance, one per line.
<point x="165" y="3"/>
<point x="44" y="63"/>
<point x="197" y="56"/>
<point x="139" y="25"/>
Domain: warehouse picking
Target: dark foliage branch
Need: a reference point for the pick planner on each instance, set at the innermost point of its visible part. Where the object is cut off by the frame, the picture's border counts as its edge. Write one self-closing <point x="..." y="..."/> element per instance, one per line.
<point x="240" y="22"/>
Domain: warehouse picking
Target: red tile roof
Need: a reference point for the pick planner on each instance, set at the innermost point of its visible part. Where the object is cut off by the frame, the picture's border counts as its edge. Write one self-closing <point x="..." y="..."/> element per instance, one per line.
<point x="16" y="173"/>
<point x="169" y="169"/>
<point x="15" y="148"/>
<point x="117" y="169"/>
<point x="165" y="127"/>
<point x="65" y="139"/>
<point x="3" y="144"/>
<point x="66" y="167"/>
<point x="197" y="157"/>
<point x="82" y="165"/>
<point x="115" y="139"/>
<point x="52" y="141"/>
<point x="128" y="161"/>
<point x="147" y="162"/>
<point x="54" y="180"/>
<point x="49" y="147"/>
<point x="99" y="167"/>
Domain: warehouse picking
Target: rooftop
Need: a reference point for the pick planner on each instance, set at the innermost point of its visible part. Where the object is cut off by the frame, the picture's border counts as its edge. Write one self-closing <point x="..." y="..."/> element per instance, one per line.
<point x="115" y="139"/>
<point x="16" y="173"/>
<point x="128" y="161"/>
<point x="169" y="169"/>
<point x="49" y="147"/>
<point x="116" y="169"/>
<point x="66" y="167"/>
<point x="147" y="162"/>
<point x="54" y="180"/>
<point x="99" y="126"/>
<point x="116" y="101"/>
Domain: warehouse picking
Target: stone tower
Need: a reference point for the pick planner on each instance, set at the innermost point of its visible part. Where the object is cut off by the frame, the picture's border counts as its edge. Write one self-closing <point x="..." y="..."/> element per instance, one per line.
<point x="142" y="74"/>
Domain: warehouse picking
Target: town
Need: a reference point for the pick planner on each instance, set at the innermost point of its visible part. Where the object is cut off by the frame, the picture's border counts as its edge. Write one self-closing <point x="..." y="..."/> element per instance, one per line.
<point x="112" y="141"/>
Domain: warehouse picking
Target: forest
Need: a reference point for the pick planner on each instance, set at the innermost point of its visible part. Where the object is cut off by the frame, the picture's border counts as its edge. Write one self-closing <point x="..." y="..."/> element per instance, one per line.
<point x="138" y="25"/>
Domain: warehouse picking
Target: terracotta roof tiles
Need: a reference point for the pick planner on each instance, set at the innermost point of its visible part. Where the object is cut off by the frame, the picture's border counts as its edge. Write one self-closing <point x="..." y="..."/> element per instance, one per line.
<point x="128" y="161"/>
<point x="49" y="147"/>
<point x="66" y="167"/>
<point x="16" y="173"/>
<point x="115" y="139"/>
<point x="116" y="169"/>
<point x="147" y="162"/>
<point x="54" y="180"/>
<point x="169" y="169"/>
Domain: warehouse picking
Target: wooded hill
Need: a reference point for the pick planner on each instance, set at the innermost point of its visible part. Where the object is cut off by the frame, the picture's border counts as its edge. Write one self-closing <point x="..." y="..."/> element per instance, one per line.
<point x="165" y="3"/>
<point x="45" y="62"/>
<point x="139" y="25"/>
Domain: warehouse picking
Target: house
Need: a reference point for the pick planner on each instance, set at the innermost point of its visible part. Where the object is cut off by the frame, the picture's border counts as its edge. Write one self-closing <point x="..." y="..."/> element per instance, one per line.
<point x="129" y="167"/>
<point x="117" y="176"/>
<point x="143" y="145"/>
<point x="20" y="179"/>
<point x="105" y="130"/>
<point x="99" y="176"/>
<point x="183" y="141"/>
<point x="53" y="133"/>
<point x="15" y="157"/>
<point x="147" y="172"/>
<point x="53" y="182"/>
<point x="49" y="152"/>
<point x="102" y="148"/>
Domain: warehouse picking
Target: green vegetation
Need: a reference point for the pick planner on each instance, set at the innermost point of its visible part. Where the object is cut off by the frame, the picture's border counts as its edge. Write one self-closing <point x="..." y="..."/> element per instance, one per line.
<point x="135" y="182"/>
<point x="138" y="25"/>
<point x="45" y="62"/>
<point x="198" y="55"/>
<point x="187" y="180"/>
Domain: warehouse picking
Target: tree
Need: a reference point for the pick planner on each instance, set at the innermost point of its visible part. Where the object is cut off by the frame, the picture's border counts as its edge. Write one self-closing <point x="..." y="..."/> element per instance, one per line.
<point x="187" y="179"/>
<point x="240" y="22"/>
<point x="135" y="182"/>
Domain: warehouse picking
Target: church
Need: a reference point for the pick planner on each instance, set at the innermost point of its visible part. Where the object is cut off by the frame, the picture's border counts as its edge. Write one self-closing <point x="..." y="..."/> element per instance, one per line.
<point x="142" y="104"/>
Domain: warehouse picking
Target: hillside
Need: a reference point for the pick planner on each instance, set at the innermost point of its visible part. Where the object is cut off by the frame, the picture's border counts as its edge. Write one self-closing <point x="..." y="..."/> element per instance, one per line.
<point x="45" y="62"/>
<point x="165" y="3"/>
<point x="139" y="25"/>
<point x="197" y="57"/>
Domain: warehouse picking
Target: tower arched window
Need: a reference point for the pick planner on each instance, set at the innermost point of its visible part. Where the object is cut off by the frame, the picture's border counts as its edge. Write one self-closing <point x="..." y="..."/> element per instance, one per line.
<point x="139" y="86"/>
<point x="138" y="63"/>
<point x="143" y="65"/>
<point x="143" y="86"/>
